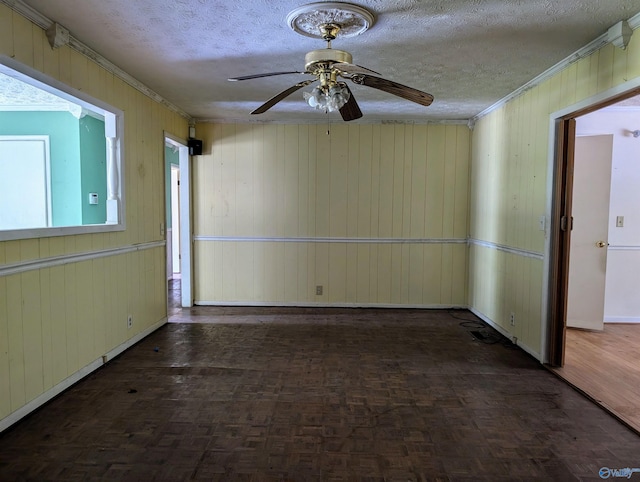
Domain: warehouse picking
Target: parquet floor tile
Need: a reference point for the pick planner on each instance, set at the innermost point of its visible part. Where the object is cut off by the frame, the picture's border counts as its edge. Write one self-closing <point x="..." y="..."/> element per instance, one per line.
<point x="298" y="394"/>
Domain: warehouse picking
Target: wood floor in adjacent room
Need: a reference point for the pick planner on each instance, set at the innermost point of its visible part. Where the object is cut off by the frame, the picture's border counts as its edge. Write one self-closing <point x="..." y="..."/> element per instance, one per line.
<point x="606" y="366"/>
<point x="286" y="394"/>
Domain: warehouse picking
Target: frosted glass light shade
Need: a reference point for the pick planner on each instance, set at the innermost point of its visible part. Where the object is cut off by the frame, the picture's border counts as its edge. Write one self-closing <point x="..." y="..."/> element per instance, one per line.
<point x="327" y="100"/>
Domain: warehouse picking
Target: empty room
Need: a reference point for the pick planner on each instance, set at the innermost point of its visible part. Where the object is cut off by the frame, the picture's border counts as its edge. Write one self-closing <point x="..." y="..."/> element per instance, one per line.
<point x="319" y="241"/>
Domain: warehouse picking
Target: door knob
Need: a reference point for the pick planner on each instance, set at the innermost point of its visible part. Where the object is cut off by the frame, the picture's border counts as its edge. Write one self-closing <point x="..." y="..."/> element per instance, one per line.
<point x="601" y="244"/>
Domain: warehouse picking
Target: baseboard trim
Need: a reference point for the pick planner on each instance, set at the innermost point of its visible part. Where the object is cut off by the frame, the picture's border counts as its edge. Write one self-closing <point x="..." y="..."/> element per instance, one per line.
<point x="622" y="319"/>
<point x="506" y="334"/>
<point x="40" y="400"/>
<point x="328" y="305"/>
<point x="633" y="247"/>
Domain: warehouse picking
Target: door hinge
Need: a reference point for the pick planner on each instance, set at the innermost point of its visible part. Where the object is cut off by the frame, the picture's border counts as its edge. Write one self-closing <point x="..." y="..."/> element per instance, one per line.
<point x="566" y="222"/>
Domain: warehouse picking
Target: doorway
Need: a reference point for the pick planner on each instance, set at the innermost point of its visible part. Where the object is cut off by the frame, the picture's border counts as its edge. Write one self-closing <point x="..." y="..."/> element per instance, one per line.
<point x="178" y="223"/>
<point x="595" y="355"/>
<point x="562" y="220"/>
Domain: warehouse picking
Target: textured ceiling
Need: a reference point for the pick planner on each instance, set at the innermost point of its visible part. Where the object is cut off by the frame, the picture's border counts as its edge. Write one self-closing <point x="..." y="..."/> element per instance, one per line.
<point x="16" y="95"/>
<point x="467" y="53"/>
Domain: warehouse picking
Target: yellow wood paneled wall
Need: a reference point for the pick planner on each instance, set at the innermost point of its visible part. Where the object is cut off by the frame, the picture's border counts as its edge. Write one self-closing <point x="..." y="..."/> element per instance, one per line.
<point x="509" y="188"/>
<point x="56" y="320"/>
<point x="355" y="211"/>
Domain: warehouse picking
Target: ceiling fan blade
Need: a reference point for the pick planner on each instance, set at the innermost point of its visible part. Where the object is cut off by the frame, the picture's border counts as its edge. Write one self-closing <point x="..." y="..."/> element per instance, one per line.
<point x="257" y="76"/>
<point x="409" y="93"/>
<point x="277" y="98"/>
<point x="351" y="110"/>
<point x="353" y="68"/>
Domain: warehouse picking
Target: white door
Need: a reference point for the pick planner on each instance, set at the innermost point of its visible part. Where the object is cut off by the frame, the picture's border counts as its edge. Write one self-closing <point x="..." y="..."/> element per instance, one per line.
<point x="588" y="250"/>
<point x="25" y="194"/>
<point x="181" y="223"/>
<point x="175" y="218"/>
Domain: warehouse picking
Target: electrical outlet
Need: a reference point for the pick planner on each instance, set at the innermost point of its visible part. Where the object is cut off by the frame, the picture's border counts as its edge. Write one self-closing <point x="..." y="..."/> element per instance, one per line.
<point x="319" y="290"/>
<point x="512" y="319"/>
<point x="129" y="321"/>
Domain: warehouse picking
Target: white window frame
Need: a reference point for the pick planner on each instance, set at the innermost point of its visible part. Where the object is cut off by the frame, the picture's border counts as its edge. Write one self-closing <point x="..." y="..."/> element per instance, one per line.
<point x="114" y="132"/>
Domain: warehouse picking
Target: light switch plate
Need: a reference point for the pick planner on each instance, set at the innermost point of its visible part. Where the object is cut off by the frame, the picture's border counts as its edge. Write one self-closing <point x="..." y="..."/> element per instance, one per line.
<point x="543" y="223"/>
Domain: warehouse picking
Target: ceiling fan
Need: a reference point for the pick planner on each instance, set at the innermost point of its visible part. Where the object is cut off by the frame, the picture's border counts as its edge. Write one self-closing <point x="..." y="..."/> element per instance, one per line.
<point x="328" y="67"/>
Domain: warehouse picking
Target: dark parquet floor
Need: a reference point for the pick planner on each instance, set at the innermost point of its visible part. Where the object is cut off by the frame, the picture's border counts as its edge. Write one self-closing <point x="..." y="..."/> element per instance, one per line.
<point x="285" y="394"/>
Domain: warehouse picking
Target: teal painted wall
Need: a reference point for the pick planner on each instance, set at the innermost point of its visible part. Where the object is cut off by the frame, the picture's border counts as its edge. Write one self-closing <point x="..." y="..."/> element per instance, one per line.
<point x="64" y="145"/>
<point x="93" y="160"/>
<point x="170" y="157"/>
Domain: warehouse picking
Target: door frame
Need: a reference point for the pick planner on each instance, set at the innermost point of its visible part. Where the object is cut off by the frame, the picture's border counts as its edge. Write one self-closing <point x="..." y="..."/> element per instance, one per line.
<point x="559" y="197"/>
<point x="186" y="261"/>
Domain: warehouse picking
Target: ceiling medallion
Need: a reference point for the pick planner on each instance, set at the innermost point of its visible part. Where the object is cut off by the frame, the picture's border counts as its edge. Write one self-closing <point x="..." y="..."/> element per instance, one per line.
<point x="352" y="19"/>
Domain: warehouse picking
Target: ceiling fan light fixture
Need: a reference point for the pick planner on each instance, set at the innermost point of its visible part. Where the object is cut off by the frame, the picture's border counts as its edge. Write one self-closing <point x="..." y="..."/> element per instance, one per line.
<point x="327" y="100"/>
<point x="313" y="98"/>
<point x="339" y="95"/>
<point x="327" y="20"/>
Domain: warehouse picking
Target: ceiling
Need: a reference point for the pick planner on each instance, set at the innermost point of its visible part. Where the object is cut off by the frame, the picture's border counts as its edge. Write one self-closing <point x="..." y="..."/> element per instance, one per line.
<point x="16" y="95"/>
<point x="468" y="54"/>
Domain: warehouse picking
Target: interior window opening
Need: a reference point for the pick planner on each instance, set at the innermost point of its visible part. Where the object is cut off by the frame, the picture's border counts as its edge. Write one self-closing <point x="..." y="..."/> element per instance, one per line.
<point x="60" y="165"/>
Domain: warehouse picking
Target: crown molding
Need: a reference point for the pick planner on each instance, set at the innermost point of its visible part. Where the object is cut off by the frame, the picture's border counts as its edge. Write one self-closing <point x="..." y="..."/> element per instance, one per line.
<point x="29" y="13"/>
<point x="333" y="122"/>
<point x="591" y="47"/>
<point x="585" y="51"/>
<point x="634" y="22"/>
<point x="44" y="23"/>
